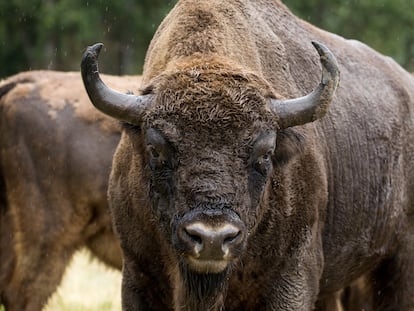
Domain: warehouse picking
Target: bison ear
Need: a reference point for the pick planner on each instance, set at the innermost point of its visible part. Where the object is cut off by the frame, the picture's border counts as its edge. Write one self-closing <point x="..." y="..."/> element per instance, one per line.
<point x="289" y="143"/>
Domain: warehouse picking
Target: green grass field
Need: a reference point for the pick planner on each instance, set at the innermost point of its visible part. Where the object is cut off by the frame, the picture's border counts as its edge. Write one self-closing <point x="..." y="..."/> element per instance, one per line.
<point x="87" y="286"/>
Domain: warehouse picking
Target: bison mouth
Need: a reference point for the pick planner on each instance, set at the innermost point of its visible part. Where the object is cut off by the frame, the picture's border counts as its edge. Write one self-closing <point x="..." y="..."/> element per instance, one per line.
<point x="206" y="266"/>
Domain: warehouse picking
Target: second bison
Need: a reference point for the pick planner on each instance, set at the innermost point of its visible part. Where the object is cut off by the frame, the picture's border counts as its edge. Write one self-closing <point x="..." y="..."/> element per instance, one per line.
<point x="55" y="159"/>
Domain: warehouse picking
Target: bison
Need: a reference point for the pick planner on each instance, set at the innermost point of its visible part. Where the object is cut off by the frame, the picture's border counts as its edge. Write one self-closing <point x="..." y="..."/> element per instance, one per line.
<point x="258" y="196"/>
<point x="55" y="158"/>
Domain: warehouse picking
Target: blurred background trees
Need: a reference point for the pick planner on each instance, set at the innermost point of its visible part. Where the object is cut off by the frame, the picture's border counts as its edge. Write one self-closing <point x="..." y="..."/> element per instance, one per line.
<point x="52" y="34"/>
<point x="385" y="25"/>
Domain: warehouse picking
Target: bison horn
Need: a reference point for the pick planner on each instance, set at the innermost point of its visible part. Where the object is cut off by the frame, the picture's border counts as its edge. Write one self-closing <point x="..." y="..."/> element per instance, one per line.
<point x="124" y="107"/>
<point x="313" y="106"/>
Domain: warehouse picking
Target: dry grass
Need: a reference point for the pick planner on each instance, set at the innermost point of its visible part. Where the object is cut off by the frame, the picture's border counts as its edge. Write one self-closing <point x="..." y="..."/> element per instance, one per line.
<point x="87" y="286"/>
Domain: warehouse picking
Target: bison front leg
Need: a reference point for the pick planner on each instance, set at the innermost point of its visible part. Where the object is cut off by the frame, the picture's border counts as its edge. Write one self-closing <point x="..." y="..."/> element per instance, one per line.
<point x="132" y="297"/>
<point x="35" y="276"/>
<point x="296" y="287"/>
<point x="144" y="286"/>
<point x="40" y="255"/>
<point x="331" y="303"/>
<point x="296" y="290"/>
<point x="393" y="281"/>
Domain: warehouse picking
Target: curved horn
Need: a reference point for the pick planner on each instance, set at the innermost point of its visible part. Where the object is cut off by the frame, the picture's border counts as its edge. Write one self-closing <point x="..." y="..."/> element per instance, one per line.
<point x="313" y="106"/>
<point x="125" y="107"/>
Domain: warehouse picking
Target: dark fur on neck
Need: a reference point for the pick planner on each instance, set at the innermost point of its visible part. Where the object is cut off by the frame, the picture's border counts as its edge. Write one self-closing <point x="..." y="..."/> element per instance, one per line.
<point x="202" y="292"/>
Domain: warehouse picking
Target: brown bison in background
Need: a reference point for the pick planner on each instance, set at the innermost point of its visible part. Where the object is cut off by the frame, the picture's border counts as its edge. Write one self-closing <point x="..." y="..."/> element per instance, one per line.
<point x="249" y="205"/>
<point x="55" y="158"/>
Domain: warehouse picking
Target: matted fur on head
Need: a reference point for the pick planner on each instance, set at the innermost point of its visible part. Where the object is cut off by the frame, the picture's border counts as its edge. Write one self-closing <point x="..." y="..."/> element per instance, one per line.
<point x="210" y="93"/>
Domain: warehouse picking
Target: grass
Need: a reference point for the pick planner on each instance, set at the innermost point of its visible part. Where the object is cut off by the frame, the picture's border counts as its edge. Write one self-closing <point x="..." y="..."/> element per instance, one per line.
<point x="87" y="286"/>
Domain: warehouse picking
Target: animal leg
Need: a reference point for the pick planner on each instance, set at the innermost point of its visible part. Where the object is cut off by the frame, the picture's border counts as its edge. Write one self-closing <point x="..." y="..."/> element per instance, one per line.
<point x="105" y="246"/>
<point x="394" y="280"/>
<point x="357" y="296"/>
<point x="330" y="303"/>
<point x="132" y="297"/>
<point x="35" y="277"/>
<point x="7" y="255"/>
<point x="41" y="251"/>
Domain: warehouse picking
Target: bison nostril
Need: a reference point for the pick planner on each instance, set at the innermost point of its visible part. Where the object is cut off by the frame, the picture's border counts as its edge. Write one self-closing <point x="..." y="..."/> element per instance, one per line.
<point x="193" y="237"/>
<point x="231" y="237"/>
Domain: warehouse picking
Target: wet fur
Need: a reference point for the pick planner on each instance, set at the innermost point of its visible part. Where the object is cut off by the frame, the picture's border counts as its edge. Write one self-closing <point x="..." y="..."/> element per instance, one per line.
<point x="338" y="202"/>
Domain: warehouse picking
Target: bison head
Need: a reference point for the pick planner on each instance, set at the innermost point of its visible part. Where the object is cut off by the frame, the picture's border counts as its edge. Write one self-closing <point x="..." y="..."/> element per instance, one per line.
<point x="208" y="135"/>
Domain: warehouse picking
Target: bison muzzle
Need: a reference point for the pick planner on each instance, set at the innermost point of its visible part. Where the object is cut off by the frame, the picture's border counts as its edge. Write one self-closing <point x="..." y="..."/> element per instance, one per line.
<point x="209" y="239"/>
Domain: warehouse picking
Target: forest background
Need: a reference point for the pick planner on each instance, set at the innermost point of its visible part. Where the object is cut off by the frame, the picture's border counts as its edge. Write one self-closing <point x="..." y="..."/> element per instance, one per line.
<point x="52" y="34"/>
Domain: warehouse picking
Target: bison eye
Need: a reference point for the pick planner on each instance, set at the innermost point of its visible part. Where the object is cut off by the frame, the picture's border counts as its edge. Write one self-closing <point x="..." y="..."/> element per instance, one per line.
<point x="157" y="158"/>
<point x="160" y="152"/>
<point x="263" y="163"/>
<point x="262" y="153"/>
<point x="153" y="152"/>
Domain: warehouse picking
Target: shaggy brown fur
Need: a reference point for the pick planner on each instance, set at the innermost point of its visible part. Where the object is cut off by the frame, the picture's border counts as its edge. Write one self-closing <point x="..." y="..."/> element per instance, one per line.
<point x="335" y="202"/>
<point x="55" y="155"/>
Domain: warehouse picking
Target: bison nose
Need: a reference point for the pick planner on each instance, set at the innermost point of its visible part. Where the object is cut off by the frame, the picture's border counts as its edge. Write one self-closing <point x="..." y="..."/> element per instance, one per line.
<point x="210" y="243"/>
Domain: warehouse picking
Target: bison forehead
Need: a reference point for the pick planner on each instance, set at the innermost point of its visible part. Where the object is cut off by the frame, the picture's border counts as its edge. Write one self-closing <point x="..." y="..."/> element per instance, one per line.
<point x="211" y="97"/>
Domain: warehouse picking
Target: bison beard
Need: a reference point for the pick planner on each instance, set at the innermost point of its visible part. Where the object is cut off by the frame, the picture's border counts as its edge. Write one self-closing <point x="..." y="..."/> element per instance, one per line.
<point x="202" y="292"/>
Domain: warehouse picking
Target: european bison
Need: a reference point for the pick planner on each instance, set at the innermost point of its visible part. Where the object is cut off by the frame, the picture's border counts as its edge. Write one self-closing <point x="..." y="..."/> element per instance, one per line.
<point x="249" y="204"/>
<point x="55" y="158"/>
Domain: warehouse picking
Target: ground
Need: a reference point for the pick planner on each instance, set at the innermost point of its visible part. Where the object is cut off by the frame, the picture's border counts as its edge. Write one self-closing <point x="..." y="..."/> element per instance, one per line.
<point x="87" y="286"/>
